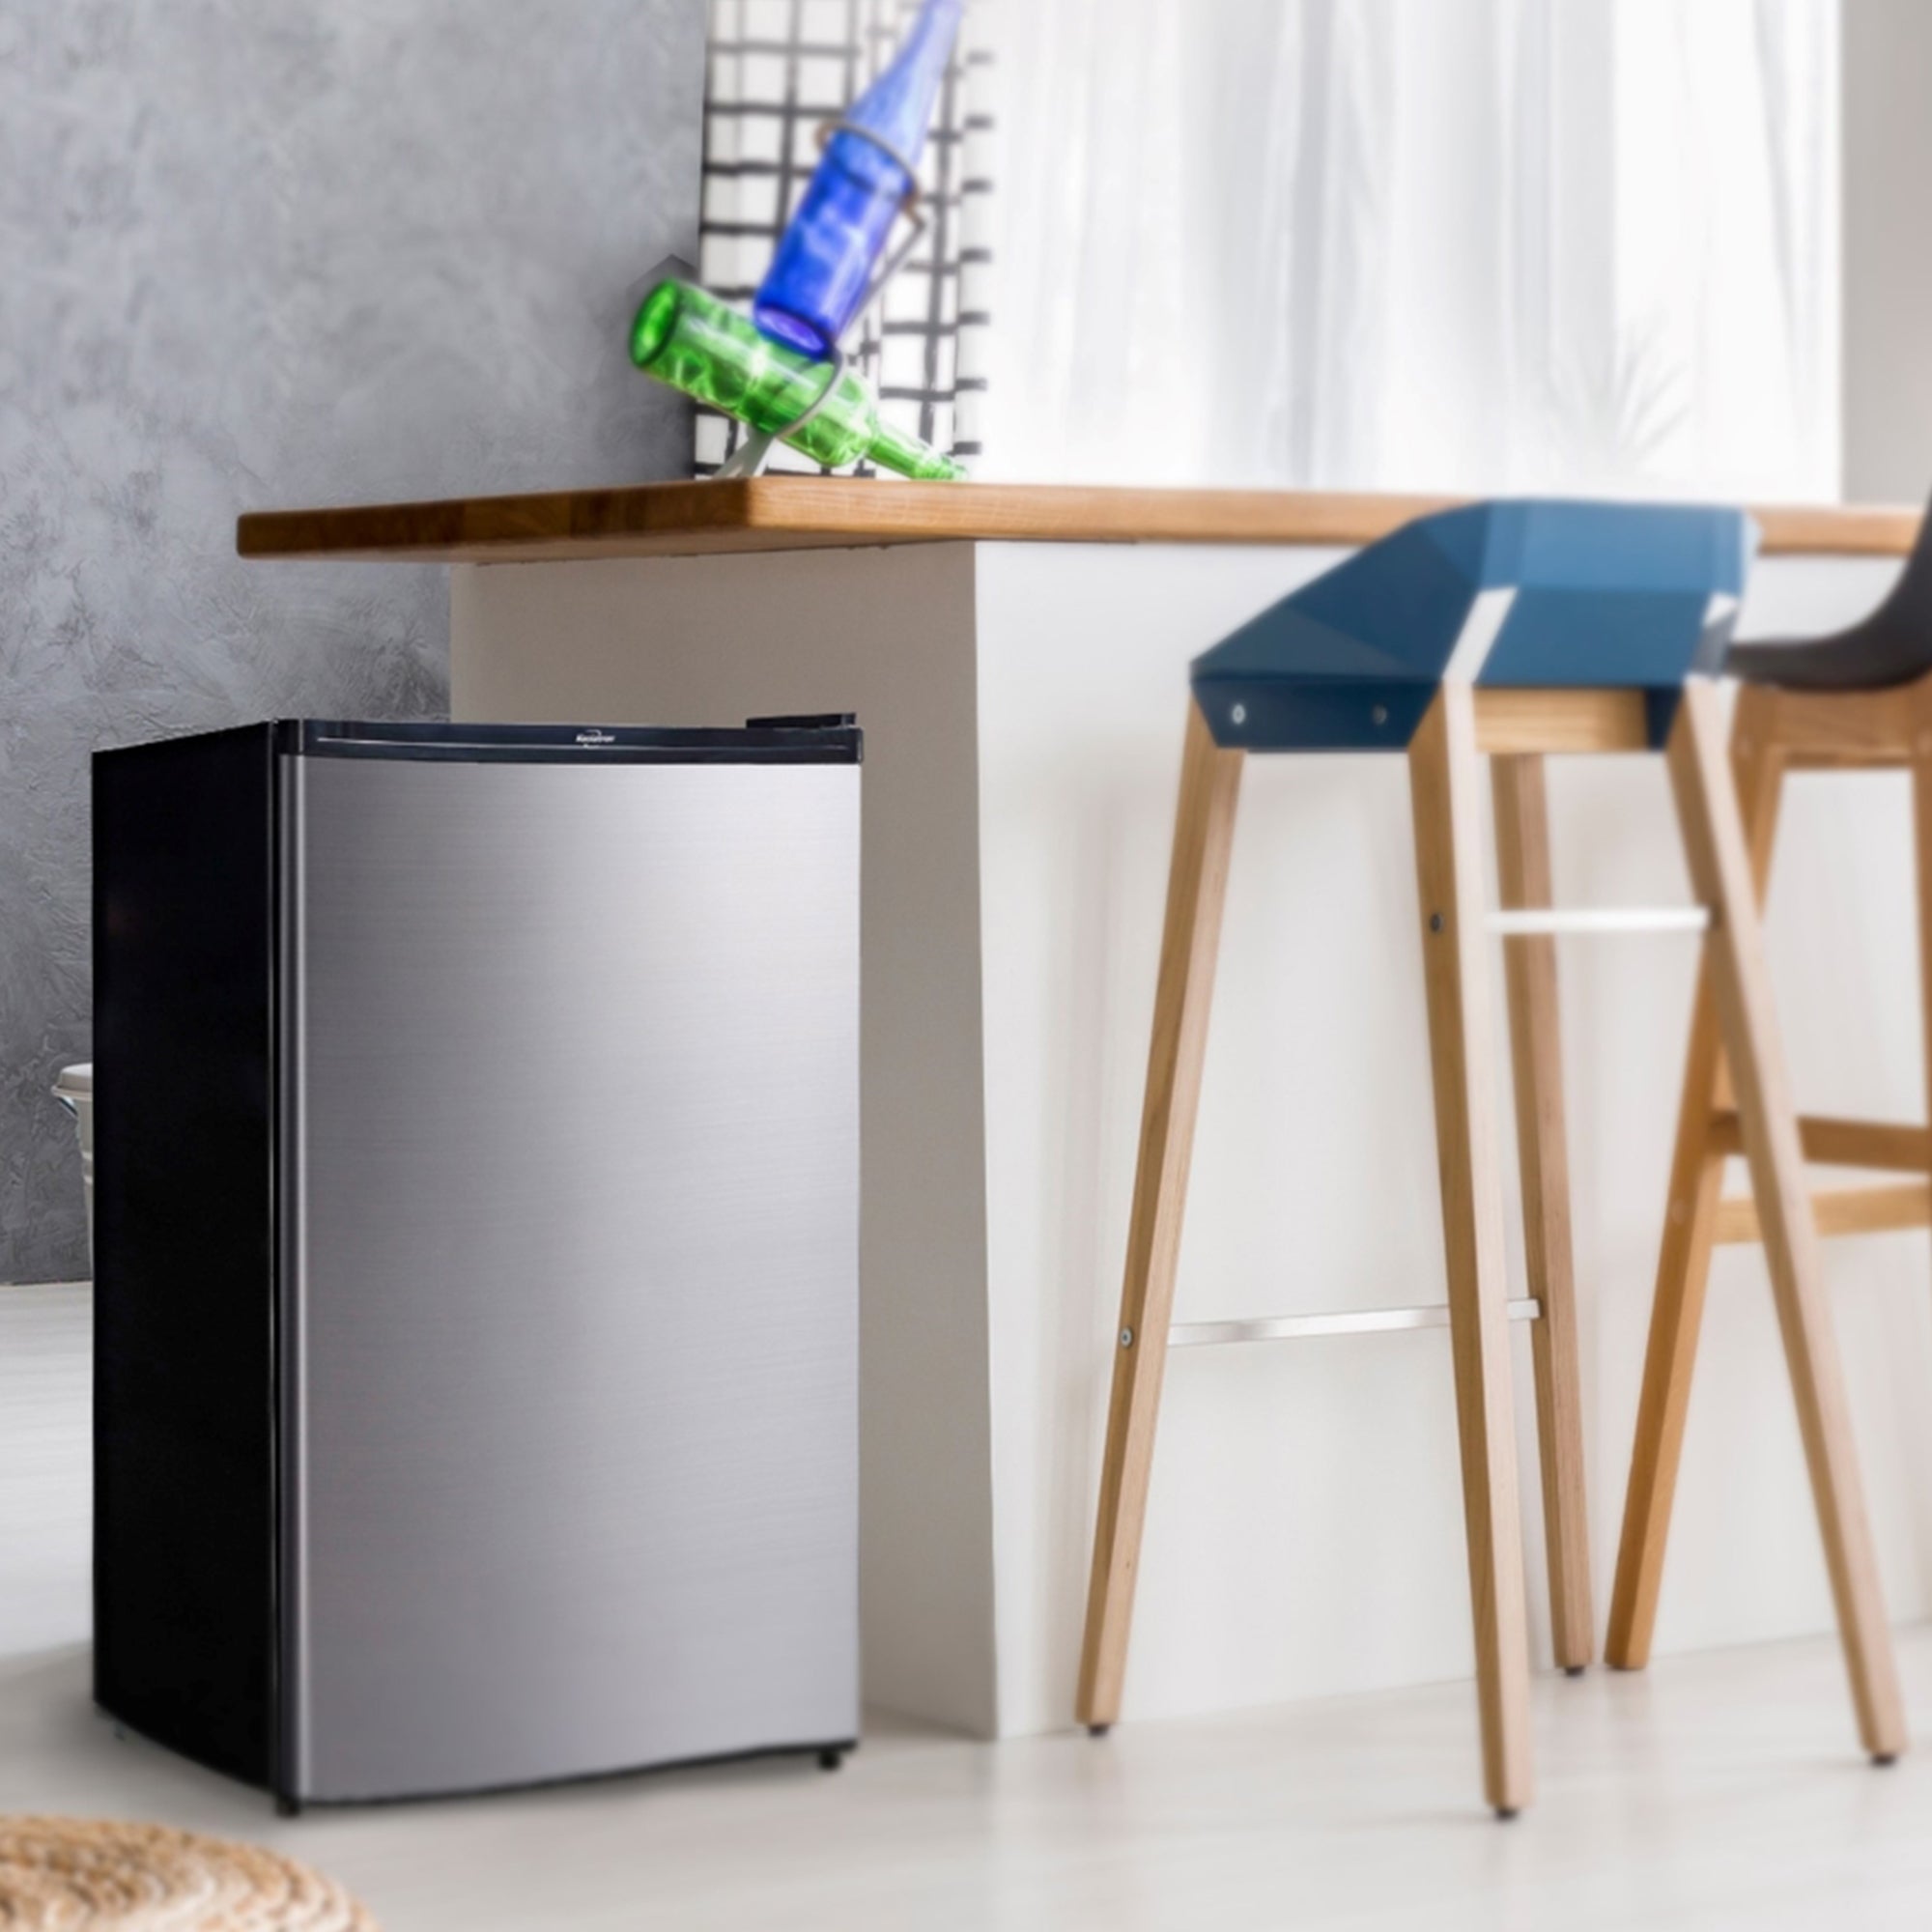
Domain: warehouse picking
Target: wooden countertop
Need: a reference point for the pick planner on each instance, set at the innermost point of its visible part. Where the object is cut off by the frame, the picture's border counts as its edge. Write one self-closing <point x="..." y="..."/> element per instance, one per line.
<point x="817" y="513"/>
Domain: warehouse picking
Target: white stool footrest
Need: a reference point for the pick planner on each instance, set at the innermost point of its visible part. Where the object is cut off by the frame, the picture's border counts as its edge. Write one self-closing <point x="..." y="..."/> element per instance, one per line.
<point x="1520" y="920"/>
<point x="1345" y="1322"/>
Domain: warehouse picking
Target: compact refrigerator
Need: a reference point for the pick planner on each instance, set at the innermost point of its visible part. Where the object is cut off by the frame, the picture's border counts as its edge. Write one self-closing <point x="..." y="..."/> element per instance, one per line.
<point x="476" y="1315"/>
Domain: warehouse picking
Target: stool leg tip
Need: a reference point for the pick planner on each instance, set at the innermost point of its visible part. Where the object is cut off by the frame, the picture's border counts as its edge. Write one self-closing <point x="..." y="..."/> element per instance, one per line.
<point x="1884" y="1759"/>
<point x="1573" y="1670"/>
<point x="1099" y="1730"/>
<point x="1505" y="1812"/>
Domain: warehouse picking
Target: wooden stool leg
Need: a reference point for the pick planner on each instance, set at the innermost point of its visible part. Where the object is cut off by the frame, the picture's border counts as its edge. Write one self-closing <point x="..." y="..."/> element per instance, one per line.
<point x="1543" y="1156"/>
<point x="1690" y="1225"/>
<point x="1676" y="1319"/>
<point x="1721" y="869"/>
<point x="1922" y="827"/>
<point x="1445" y="773"/>
<point x="1203" y="832"/>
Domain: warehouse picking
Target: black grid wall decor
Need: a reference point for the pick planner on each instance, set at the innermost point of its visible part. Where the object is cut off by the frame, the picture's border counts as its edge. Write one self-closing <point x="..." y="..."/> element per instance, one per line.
<point x="775" y="70"/>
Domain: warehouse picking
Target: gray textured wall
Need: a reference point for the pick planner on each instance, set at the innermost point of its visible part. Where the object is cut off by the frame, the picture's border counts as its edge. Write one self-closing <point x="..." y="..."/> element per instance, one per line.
<point x="1888" y="188"/>
<point x="279" y="251"/>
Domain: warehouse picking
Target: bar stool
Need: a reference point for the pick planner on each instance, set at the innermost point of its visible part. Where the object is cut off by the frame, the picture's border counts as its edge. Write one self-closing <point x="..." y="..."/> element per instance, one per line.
<point x="1858" y="700"/>
<point x="1510" y="630"/>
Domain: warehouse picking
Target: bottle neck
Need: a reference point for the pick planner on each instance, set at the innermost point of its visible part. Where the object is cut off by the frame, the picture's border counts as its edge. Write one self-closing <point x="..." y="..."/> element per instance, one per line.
<point x="930" y="37"/>
<point x="899" y="104"/>
<point x="894" y="449"/>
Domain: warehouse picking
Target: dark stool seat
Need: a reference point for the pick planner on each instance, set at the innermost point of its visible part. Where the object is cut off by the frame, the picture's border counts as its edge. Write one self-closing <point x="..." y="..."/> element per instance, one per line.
<point x="1860" y="701"/>
<point x="1893" y="646"/>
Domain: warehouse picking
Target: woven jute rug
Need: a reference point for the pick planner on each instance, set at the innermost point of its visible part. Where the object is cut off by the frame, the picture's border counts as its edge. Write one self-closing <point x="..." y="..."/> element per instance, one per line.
<point x="90" y="1875"/>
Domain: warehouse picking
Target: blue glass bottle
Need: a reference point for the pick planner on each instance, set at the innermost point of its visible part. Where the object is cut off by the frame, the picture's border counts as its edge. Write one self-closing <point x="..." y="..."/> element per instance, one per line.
<point x="824" y="261"/>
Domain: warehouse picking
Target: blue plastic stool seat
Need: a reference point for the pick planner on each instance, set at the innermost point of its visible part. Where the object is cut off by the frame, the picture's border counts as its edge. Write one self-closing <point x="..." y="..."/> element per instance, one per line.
<point x="1414" y="645"/>
<point x="1531" y="593"/>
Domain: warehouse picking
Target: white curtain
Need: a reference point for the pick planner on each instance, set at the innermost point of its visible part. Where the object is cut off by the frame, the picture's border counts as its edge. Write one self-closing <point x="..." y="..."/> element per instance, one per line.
<point x="1457" y="245"/>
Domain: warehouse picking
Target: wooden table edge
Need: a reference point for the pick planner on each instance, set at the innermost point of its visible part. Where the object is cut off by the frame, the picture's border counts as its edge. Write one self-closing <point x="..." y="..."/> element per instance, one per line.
<point x="791" y="512"/>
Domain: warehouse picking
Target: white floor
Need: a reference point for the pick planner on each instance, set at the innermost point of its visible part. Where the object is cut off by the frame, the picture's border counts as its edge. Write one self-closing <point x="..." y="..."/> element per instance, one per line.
<point x="46" y="1471"/>
<point x="1722" y="1790"/>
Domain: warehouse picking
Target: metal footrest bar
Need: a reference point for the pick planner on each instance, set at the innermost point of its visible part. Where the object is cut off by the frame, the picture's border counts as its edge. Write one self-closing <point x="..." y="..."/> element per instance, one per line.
<point x="1343" y="1321"/>
<point x="1517" y="921"/>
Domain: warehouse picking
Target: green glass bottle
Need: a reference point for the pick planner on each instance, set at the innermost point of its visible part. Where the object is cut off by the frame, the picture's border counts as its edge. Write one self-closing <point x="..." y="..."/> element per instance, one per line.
<point x="693" y="342"/>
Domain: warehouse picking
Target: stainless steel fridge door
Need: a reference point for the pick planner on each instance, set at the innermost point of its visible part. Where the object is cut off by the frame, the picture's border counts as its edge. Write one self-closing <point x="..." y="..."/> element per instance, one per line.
<point x="571" y="1268"/>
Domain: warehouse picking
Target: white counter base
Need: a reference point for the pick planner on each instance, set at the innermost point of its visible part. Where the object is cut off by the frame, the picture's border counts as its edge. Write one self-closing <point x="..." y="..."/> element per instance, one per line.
<point x="1023" y="708"/>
